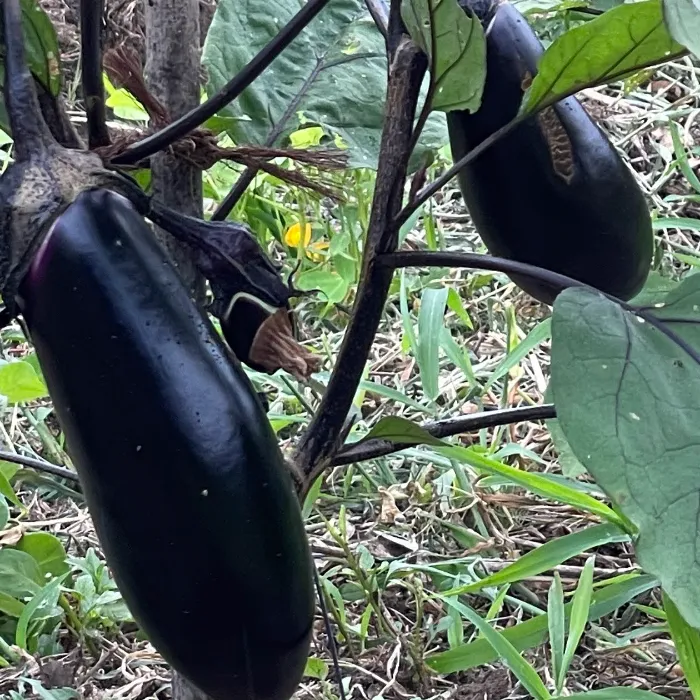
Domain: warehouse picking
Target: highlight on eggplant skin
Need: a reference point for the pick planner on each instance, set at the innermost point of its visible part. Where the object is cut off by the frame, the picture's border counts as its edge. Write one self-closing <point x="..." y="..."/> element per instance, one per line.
<point x="181" y="470"/>
<point x="554" y="192"/>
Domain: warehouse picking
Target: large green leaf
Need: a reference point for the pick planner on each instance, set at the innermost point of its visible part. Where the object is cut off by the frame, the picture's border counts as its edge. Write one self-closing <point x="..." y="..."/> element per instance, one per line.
<point x="683" y="20"/>
<point x="332" y="75"/>
<point x="628" y="401"/>
<point x="613" y="45"/>
<point x="458" y="59"/>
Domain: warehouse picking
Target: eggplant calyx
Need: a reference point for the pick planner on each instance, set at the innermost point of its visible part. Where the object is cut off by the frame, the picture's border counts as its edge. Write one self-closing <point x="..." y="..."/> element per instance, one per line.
<point x="262" y="337"/>
<point x="274" y="347"/>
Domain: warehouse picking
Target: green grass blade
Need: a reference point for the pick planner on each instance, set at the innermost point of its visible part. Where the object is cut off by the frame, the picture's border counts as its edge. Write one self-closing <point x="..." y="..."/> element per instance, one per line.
<point x="579" y="618"/>
<point x="547" y="556"/>
<point x="541" y="332"/>
<point x="687" y="642"/>
<point x="616" y="694"/>
<point x="431" y="319"/>
<point x="557" y="625"/>
<point x="533" y="632"/>
<point x="524" y="672"/>
<point x="534" y="482"/>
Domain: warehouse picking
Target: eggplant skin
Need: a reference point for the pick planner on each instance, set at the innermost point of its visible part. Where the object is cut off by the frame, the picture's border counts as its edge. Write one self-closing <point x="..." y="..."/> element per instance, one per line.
<point x="567" y="202"/>
<point x="181" y="470"/>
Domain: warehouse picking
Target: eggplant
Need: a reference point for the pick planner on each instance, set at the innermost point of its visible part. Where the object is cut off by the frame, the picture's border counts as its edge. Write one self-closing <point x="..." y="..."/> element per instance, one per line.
<point x="554" y="192"/>
<point x="183" y="477"/>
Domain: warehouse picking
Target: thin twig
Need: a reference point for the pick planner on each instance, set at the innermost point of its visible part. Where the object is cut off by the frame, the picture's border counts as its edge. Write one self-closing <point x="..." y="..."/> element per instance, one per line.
<point x="407" y="68"/>
<point x="371" y="449"/>
<point x="427" y="192"/>
<point x="197" y="116"/>
<point x="91" y="12"/>
<point x="478" y="261"/>
<point x="40" y="465"/>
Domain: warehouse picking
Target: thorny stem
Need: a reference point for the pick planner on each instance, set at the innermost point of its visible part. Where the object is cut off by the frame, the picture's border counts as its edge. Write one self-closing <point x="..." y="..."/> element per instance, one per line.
<point x="197" y="116"/>
<point x="91" y="65"/>
<point x="29" y="130"/>
<point x="371" y="449"/>
<point x="407" y="66"/>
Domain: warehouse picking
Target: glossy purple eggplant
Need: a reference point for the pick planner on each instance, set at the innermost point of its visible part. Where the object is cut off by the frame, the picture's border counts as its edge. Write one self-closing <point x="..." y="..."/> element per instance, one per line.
<point x="554" y="192"/>
<point x="189" y="493"/>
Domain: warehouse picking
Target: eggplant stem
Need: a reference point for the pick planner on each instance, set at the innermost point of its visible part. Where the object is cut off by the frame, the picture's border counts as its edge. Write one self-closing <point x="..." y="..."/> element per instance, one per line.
<point x="407" y="65"/>
<point x="445" y="428"/>
<point x="30" y="133"/>
<point x="197" y="116"/>
<point x="91" y="12"/>
<point x="40" y="465"/>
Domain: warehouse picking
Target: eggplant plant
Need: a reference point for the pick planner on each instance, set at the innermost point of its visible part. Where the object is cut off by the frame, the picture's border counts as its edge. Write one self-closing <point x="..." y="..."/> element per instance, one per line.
<point x="183" y="418"/>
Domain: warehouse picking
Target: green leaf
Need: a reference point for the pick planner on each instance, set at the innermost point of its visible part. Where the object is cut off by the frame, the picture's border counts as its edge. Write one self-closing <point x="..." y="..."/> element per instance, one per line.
<point x="430" y="325"/>
<point x="316" y="668"/>
<point x="44" y="601"/>
<point x="533" y="632"/>
<point x="10" y="606"/>
<point x="331" y="284"/>
<point x="4" y="513"/>
<point x="683" y="21"/>
<point x="547" y="556"/>
<point x="47" y="550"/>
<point x="400" y="430"/>
<point x="458" y="59"/>
<point x="687" y="642"/>
<point x="628" y="401"/>
<point x="19" y="382"/>
<point x="20" y="575"/>
<point x="525" y="673"/>
<point x="609" y="47"/>
<point x="333" y="75"/>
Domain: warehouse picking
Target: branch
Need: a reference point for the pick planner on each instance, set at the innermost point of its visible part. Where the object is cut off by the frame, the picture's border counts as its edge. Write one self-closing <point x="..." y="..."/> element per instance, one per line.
<point x="427" y="192"/>
<point x="91" y="12"/>
<point x="172" y="67"/>
<point x="407" y="66"/>
<point x="198" y="115"/>
<point x="380" y="14"/>
<point x="40" y="465"/>
<point x="30" y="133"/>
<point x="511" y="267"/>
<point x="248" y="175"/>
<point x="478" y="261"/>
<point x="445" y="428"/>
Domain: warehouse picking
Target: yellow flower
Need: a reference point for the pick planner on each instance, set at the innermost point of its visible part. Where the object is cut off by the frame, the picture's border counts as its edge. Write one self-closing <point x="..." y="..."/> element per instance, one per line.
<point x="314" y="251"/>
<point x="292" y="235"/>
